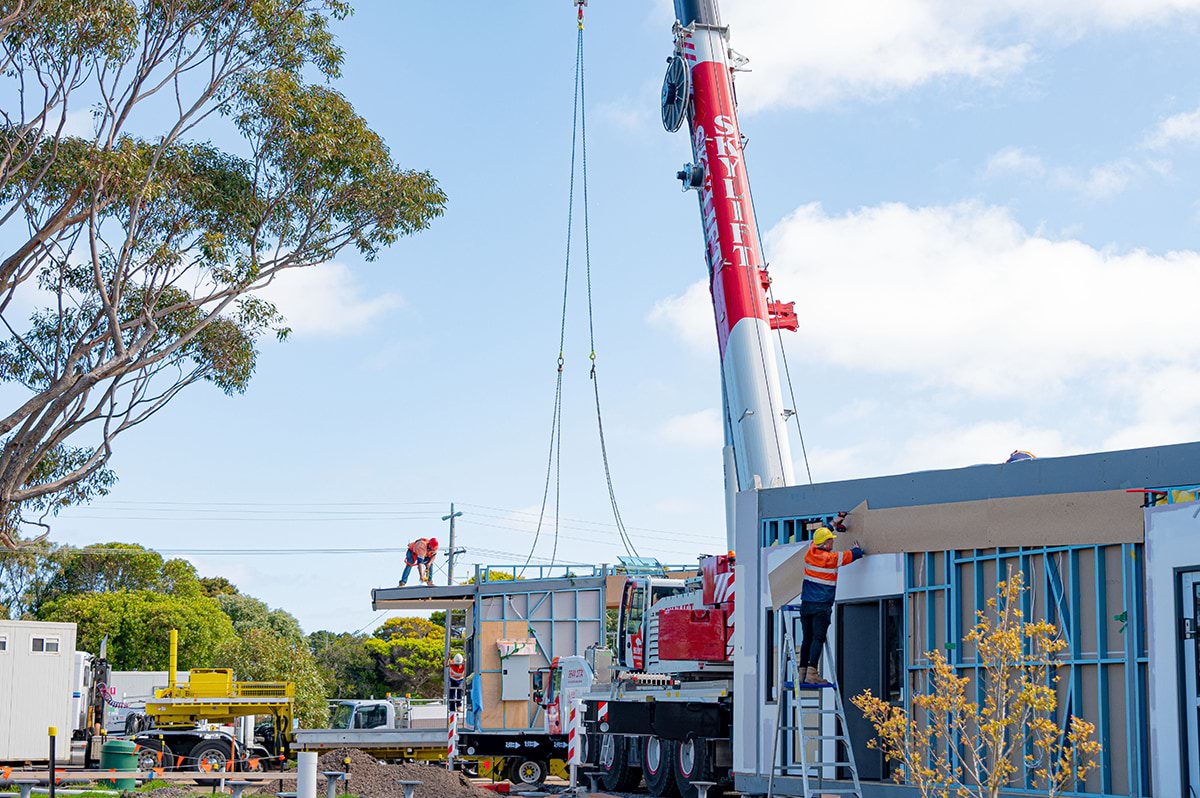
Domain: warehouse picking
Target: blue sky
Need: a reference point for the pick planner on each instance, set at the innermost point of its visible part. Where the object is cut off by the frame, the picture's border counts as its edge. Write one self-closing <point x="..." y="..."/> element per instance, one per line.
<point x="988" y="220"/>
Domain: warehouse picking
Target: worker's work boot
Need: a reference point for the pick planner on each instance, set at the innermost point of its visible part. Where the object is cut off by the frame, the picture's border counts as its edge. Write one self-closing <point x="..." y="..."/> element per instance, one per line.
<point x="814" y="677"/>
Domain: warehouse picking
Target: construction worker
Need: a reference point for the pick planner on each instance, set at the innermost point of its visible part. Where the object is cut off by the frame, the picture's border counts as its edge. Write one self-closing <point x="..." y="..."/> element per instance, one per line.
<point x="420" y="553"/>
<point x="458" y="673"/>
<point x="821" y="564"/>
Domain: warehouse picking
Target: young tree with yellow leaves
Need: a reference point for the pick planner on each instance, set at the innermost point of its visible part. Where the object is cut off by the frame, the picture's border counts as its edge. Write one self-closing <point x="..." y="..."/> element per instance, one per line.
<point x="952" y="746"/>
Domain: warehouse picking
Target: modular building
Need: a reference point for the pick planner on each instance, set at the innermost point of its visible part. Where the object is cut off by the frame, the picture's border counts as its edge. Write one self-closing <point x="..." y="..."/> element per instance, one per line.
<point x="37" y="687"/>
<point x="1109" y="546"/>
<point x="513" y="630"/>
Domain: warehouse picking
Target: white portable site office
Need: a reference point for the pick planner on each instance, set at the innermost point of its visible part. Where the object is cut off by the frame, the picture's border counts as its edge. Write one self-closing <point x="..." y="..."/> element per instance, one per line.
<point x="37" y="663"/>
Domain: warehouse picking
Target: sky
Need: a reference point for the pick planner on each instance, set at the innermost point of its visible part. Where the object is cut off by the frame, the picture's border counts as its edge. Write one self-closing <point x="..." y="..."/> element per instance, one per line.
<point x="987" y="215"/>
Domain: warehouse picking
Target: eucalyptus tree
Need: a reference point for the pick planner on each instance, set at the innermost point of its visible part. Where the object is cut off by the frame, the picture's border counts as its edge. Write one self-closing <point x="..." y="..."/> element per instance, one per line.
<point x="219" y="156"/>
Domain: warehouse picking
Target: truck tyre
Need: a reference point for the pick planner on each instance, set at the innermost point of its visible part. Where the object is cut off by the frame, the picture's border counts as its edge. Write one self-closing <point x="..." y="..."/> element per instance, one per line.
<point x="616" y="773"/>
<point x="658" y="765"/>
<point x="212" y="753"/>
<point x="691" y="764"/>
<point x="528" y="771"/>
<point x="148" y="756"/>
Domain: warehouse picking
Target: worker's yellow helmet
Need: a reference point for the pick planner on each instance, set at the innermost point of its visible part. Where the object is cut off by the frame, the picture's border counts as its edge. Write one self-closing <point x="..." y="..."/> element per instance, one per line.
<point x="821" y="535"/>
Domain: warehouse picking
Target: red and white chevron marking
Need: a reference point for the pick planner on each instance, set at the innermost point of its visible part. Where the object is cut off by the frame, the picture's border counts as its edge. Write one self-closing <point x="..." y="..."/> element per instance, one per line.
<point x="723" y="587"/>
<point x="452" y="739"/>
<point x="574" y="750"/>
<point x="724" y="594"/>
<point x="602" y="711"/>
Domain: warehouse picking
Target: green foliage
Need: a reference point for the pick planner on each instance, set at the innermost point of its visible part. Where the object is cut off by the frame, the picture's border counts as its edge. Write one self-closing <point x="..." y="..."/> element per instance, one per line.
<point x="27" y="578"/>
<point x="497" y="576"/>
<point x="109" y="567"/>
<point x="216" y="585"/>
<point x="247" y="613"/>
<point x="140" y="249"/>
<point x="265" y="655"/>
<point x="347" y="667"/>
<point x="138" y="625"/>
<point x="35" y="575"/>
<point x="408" y="655"/>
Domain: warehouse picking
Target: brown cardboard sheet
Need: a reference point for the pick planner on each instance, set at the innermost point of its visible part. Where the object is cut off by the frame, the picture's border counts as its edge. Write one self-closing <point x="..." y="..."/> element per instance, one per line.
<point x="786" y="578"/>
<point x="1098" y="517"/>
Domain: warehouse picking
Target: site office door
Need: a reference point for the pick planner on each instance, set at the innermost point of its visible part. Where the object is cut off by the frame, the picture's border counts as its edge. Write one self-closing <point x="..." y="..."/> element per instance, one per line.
<point x="1189" y="624"/>
<point x="869" y="656"/>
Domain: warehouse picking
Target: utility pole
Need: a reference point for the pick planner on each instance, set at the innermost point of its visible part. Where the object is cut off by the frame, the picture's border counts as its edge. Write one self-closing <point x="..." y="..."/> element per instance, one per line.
<point x="449" y="611"/>
<point x="452" y="552"/>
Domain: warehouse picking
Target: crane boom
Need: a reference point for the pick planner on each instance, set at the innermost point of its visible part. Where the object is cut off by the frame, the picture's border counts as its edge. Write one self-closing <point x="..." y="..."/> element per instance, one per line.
<point x="754" y="414"/>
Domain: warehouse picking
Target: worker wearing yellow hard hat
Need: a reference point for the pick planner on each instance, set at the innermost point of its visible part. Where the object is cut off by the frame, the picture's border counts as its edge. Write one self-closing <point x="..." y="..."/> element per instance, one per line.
<point x="821" y="564"/>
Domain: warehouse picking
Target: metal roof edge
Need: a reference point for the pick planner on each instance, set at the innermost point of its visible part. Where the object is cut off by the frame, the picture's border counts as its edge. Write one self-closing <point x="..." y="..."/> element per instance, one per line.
<point x="1155" y="466"/>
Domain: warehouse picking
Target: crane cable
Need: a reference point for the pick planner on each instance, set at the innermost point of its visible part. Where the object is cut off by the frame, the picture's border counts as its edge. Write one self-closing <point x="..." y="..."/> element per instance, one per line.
<point x="554" y="458"/>
<point x="587" y="254"/>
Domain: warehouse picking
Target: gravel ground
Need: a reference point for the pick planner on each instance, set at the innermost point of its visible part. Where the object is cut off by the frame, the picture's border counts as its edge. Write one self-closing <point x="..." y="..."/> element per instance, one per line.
<point x="375" y="779"/>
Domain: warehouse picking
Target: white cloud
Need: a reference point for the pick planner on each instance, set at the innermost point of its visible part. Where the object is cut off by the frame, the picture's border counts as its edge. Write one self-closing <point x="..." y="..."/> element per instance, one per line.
<point x="857" y="48"/>
<point x="955" y="444"/>
<point x="1167" y="408"/>
<point x="326" y="300"/>
<point x="1181" y="128"/>
<point x="963" y="297"/>
<point x="700" y="430"/>
<point x="689" y="314"/>
<point x="79" y="123"/>
<point x="1098" y="183"/>
<point x="1014" y="161"/>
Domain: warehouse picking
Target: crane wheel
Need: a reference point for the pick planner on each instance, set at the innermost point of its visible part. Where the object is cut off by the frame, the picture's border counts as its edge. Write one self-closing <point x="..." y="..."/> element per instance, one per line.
<point x="617" y="774"/>
<point x="692" y="764"/>
<point x="658" y="765"/>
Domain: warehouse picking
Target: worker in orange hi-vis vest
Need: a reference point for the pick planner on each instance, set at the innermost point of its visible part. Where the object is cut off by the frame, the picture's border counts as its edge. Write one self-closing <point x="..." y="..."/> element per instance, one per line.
<point x="821" y="564"/>
<point x="420" y="553"/>
<point x="458" y="672"/>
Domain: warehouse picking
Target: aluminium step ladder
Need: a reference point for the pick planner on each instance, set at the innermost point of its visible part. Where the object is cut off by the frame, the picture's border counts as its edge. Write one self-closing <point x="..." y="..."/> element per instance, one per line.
<point x="804" y="722"/>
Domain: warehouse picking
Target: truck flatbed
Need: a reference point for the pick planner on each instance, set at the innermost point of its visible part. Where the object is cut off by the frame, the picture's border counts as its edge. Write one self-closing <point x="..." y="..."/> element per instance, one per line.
<point x="367" y="739"/>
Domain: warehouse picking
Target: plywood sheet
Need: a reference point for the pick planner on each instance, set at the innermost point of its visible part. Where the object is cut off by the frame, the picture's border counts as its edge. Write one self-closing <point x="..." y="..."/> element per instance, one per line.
<point x="785" y="574"/>
<point x="1099" y="517"/>
<point x="492" y="716"/>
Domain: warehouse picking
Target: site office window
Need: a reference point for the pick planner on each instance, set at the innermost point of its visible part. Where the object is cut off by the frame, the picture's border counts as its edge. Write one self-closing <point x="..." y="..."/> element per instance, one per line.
<point x="3" y="644"/>
<point x="44" y="645"/>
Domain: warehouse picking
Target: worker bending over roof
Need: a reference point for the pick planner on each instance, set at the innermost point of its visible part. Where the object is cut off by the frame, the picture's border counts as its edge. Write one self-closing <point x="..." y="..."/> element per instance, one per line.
<point x="420" y="553"/>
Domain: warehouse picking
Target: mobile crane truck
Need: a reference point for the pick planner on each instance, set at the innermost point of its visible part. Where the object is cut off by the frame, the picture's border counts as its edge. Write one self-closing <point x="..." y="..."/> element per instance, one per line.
<point x="667" y="715"/>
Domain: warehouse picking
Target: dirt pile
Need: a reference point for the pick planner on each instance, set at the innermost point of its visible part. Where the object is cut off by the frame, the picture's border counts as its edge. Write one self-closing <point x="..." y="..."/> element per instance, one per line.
<point x="374" y="779"/>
